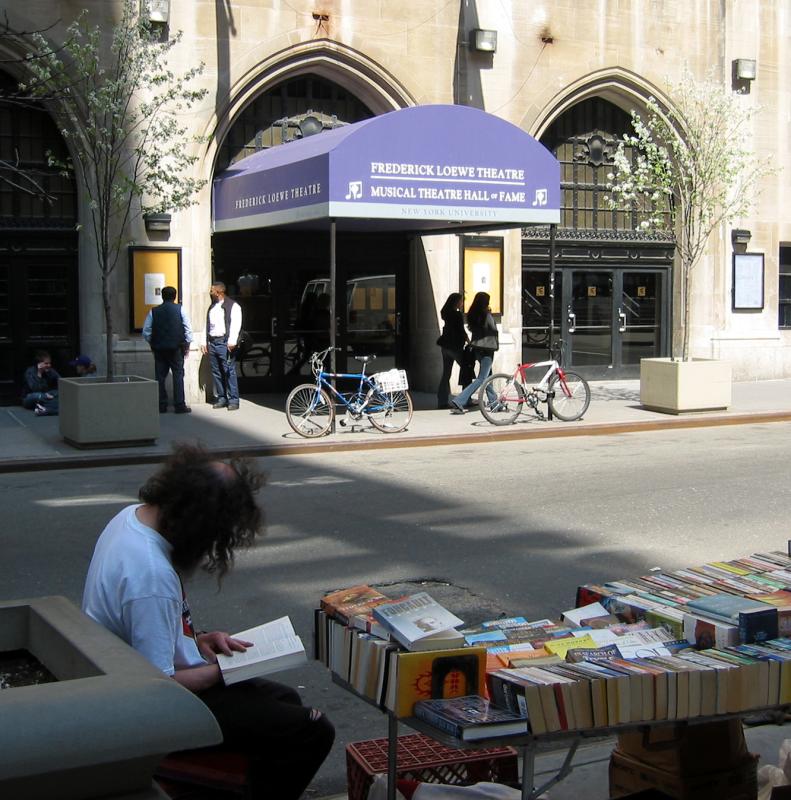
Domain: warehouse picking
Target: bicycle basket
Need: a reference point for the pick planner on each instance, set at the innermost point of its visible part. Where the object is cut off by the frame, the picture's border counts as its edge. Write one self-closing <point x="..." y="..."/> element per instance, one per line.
<point x="394" y="380"/>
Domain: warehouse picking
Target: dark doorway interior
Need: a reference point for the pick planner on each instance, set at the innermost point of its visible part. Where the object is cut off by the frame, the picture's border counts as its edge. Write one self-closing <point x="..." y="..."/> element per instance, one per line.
<point x="38" y="244"/>
<point x="281" y="279"/>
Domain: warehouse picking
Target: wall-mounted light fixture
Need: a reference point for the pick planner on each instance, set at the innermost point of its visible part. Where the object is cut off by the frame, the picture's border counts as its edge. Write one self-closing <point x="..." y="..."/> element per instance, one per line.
<point x="484" y="41"/>
<point x="157" y="222"/>
<point x="740" y="236"/>
<point x="156" y="10"/>
<point x="745" y="69"/>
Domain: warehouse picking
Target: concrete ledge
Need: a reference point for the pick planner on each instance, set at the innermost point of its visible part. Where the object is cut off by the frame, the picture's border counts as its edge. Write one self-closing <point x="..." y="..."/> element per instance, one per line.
<point x="102" y="728"/>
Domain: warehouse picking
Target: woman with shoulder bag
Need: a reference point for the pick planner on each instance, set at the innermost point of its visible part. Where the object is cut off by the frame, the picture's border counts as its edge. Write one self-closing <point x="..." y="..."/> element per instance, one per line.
<point x="452" y="342"/>
<point x="485" y="342"/>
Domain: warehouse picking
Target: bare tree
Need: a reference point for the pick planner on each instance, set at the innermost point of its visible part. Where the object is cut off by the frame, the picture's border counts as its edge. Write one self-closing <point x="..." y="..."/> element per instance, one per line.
<point x="119" y="107"/>
<point x="694" y="160"/>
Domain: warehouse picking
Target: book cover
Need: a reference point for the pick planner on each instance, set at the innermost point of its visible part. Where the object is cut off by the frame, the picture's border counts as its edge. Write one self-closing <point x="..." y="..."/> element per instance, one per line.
<point x="420" y="623"/>
<point x="705" y="633"/>
<point x="345" y="603"/>
<point x="781" y="600"/>
<point x="275" y="647"/>
<point x="435" y="674"/>
<point x="470" y="717"/>
<point x="576" y="615"/>
<point x="756" y="621"/>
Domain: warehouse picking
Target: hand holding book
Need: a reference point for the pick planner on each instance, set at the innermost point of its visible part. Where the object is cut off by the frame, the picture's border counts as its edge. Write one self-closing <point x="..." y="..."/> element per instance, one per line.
<point x="272" y="647"/>
<point x="218" y="642"/>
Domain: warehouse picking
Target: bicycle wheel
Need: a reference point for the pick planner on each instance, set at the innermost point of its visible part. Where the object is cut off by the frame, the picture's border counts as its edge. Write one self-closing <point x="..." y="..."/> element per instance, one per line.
<point x="390" y="412"/>
<point x="569" y="396"/>
<point x="309" y="411"/>
<point x="501" y="399"/>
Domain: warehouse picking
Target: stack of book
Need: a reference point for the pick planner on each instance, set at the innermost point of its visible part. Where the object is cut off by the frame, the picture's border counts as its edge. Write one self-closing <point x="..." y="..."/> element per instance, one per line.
<point x="606" y="691"/>
<point x="669" y="646"/>
<point x="396" y="651"/>
<point x="721" y="603"/>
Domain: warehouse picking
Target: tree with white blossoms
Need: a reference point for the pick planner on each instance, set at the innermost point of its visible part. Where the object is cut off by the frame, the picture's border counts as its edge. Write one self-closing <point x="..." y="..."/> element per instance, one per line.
<point x="119" y="108"/>
<point x="689" y="165"/>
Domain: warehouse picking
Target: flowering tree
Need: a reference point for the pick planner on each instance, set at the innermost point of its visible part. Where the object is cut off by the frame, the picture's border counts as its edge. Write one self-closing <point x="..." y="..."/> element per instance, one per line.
<point x="691" y="164"/>
<point x="118" y="106"/>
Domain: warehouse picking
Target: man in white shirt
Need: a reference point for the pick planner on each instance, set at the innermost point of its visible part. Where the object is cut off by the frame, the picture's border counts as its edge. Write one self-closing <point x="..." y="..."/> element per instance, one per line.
<point x="195" y="512"/>
<point x="223" y="324"/>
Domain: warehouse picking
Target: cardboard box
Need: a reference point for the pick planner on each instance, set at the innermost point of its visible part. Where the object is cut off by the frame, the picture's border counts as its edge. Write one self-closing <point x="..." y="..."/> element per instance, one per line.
<point x="688" y="749"/>
<point x="628" y="775"/>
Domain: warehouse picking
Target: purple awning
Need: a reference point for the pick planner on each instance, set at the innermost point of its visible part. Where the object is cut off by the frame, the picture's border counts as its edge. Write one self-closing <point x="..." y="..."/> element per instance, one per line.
<point x="424" y="168"/>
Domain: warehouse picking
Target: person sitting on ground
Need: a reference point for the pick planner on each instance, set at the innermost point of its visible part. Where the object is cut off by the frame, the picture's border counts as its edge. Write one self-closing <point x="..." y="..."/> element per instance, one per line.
<point x="194" y="513"/>
<point x="40" y="392"/>
<point x="83" y="366"/>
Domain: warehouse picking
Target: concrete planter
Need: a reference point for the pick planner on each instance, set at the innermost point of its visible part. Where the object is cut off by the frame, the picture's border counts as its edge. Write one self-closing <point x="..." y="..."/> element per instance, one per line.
<point x="95" y="413"/>
<point x="101" y="729"/>
<point x="675" y="387"/>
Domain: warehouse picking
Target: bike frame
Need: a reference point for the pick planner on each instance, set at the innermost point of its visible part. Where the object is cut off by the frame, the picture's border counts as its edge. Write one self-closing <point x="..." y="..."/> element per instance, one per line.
<point x="543" y="385"/>
<point x="365" y="384"/>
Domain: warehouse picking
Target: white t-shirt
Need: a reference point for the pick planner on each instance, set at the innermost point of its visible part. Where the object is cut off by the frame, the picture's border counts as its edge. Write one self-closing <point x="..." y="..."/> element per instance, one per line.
<point x="134" y="592"/>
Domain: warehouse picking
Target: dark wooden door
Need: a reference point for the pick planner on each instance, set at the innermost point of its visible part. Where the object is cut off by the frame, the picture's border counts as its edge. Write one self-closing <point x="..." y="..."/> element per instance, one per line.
<point x="38" y="304"/>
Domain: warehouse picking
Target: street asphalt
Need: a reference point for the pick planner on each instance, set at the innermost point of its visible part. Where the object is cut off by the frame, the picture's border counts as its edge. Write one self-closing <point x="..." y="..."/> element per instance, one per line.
<point x="259" y="428"/>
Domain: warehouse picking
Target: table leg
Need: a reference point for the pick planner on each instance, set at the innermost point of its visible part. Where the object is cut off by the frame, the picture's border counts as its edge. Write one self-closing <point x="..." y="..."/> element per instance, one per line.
<point x="392" y="755"/>
<point x="528" y="771"/>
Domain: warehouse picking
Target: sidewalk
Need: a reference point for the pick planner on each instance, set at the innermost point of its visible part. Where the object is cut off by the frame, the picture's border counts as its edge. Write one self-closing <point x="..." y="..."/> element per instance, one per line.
<point x="259" y="428"/>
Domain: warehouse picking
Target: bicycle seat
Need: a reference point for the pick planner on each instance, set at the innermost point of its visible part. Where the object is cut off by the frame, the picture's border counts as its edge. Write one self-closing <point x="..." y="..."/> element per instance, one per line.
<point x="364" y="359"/>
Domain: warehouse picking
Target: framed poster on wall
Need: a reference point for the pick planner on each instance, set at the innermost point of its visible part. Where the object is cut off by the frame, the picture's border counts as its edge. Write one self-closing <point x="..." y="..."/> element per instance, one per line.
<point x="748" y="281"/>
<point x="150" y="269"/>
<point x="482" y="259"/>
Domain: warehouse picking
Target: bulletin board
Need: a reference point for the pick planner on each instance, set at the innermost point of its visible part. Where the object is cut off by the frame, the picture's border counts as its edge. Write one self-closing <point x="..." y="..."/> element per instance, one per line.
<point x="483" y="269"/>
<point x="150" y="269"/>
<point x="748" y="281"/>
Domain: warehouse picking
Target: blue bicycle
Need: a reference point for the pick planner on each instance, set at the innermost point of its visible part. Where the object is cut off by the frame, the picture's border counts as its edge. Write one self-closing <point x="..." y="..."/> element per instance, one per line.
<point x="382" y="398"/>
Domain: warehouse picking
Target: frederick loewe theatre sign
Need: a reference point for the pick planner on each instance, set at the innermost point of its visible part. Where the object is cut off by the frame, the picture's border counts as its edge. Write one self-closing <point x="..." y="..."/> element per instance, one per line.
<point x="427" y="163"/>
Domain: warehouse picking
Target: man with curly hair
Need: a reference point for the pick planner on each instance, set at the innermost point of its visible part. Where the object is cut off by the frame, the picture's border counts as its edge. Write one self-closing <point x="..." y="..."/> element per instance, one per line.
<point x="195" y="512"/>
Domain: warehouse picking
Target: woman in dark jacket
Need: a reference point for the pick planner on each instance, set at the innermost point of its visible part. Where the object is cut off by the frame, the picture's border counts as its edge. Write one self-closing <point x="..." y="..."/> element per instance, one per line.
<point x="452" y="342"/>
<point x="485" y="342"/>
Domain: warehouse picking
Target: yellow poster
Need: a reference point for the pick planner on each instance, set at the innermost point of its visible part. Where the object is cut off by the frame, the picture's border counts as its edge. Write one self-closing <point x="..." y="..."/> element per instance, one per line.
<point x="483" y="272"/>
<point x="151" y="269"/>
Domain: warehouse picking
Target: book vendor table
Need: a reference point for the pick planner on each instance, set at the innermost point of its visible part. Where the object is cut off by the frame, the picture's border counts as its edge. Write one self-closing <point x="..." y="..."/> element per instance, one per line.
<point x="527" y="745"/>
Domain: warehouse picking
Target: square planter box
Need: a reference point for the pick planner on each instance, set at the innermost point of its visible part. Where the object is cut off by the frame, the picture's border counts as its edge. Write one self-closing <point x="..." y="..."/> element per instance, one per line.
<point x="102" y="727"/>
<point x="676" y="387"/>
<point x="95" y="413"/>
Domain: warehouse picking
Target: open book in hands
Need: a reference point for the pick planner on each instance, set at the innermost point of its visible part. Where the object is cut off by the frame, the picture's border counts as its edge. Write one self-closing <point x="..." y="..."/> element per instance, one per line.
<point x="275" y="647"/>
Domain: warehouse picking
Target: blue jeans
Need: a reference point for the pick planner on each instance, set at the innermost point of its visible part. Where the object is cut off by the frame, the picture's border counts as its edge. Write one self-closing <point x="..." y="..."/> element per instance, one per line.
<point x="223" y="372"/>
<point x="484" y="359"/>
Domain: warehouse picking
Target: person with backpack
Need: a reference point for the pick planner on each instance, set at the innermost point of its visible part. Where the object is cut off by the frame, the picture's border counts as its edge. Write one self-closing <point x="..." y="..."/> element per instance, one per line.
<point x="485" y="341"/>
<point x="223" y="326"/>
<point x="168" y="332"/>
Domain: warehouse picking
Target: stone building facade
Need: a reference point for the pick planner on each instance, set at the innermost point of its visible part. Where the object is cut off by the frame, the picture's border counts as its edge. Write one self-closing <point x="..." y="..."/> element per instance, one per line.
<point x="565" y="71"/>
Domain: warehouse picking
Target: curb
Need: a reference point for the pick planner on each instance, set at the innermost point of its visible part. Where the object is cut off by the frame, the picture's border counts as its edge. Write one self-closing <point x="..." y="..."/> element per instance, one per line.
<point x="89" y="461"/>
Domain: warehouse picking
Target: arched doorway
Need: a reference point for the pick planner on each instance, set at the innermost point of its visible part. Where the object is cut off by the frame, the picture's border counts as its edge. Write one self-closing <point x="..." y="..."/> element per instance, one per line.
<point x="38" y="243"/>
<point x="281" y="277"/>
<point x="612" y="281"/>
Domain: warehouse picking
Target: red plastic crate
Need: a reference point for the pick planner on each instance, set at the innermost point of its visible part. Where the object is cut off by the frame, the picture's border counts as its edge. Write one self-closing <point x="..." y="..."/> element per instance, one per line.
<point x="420" y="758"/>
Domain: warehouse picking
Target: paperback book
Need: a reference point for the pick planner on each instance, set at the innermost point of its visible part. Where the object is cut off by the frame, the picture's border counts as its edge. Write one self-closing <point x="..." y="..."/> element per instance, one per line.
<point x="470" y="718"/>
<point x="275" y="647"/>
<point x="419" y="622"/>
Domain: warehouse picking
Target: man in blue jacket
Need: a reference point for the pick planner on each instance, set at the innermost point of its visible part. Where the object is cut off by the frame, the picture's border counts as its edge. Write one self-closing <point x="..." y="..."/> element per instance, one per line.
<point x="168" y="332"/>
